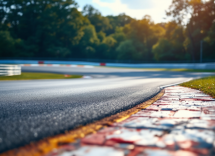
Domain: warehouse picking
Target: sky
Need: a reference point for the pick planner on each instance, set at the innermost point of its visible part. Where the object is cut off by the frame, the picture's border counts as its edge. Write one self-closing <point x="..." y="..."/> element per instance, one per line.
<point x="134" y="8"/>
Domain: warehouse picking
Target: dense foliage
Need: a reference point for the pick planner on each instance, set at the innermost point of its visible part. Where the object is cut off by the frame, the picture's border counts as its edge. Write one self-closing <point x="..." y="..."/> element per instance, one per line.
<point x="56" y="29"/>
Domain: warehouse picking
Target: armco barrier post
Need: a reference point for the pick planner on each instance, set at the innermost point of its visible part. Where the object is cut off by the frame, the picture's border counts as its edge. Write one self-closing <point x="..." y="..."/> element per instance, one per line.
<point x="102" y="64"/>
<point x="40" y="62"/>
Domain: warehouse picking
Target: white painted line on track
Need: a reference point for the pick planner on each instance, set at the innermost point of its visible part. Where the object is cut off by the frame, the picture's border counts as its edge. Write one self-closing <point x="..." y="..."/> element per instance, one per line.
<point x="87" y="77"/>
<point x="173" y="84"/>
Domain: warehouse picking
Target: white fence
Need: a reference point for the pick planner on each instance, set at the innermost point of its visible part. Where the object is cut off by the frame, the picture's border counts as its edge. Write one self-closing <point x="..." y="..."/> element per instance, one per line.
<point x="10" y="70"/>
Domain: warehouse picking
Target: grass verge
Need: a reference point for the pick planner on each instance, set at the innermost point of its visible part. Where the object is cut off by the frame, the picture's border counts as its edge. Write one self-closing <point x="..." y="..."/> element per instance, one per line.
<point x="166" y="69"/>
<point x="189" y="70"/>
<point x="206" y="85"/>
<point x="37" y="76"/>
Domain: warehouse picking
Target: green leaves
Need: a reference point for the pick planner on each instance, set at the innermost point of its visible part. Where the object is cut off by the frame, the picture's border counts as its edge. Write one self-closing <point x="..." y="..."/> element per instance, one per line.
<point x="47" y="25"/>
<point x="55" y="28"/>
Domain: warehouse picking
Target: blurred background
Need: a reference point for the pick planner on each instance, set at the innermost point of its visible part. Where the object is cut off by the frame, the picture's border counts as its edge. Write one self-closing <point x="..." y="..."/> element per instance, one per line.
<point x="108" y="31"/>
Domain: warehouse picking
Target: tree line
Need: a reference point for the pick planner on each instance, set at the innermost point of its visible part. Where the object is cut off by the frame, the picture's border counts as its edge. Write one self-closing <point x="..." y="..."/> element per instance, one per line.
<point x="57" y="29"/>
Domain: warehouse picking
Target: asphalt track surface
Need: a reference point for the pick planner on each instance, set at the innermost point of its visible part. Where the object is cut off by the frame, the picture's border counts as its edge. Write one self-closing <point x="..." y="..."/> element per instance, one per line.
<point x="35" y="109"/>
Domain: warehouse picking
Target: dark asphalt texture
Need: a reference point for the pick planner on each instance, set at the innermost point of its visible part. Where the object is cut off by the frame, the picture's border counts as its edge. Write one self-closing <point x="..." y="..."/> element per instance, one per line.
<point x="35" y="109"/>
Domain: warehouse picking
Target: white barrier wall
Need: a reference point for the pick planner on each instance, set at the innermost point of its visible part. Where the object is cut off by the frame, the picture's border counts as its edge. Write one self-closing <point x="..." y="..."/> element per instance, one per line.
<point x="10" y="70"/>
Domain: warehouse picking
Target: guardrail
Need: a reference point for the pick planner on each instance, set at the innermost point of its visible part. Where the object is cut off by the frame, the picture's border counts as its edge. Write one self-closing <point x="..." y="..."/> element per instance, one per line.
<point x="10" y="70"/>
<point x="210" y="65"/>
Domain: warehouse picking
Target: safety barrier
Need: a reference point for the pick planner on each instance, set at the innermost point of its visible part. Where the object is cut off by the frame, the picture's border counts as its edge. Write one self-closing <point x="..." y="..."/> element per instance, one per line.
<point x="10" y="70"/>
<point x="210" y="65"/>
<point x="56" y="65"/>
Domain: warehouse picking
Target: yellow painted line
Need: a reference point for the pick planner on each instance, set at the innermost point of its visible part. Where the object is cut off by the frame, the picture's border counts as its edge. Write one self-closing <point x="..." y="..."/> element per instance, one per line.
<point x="47" y="145"/>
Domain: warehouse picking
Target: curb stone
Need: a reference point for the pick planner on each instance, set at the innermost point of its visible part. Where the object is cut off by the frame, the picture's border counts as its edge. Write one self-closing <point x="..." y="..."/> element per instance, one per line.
<point x="181" y="122"/>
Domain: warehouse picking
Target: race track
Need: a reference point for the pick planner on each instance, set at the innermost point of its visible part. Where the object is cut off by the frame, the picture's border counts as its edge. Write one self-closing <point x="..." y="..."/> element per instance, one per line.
<point x="34" y="109"/>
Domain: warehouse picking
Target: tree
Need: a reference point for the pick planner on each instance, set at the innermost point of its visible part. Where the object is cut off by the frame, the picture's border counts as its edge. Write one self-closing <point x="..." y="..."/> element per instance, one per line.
<point x="101" y="35"/>
<point x="163" y="50"/>
<point x="171" y="46"/>
<point x="109" y="42"/>
<point x="142" y="34"/>
<point x="11" y="47"/>
<point x="126" y="50"/>
<point x="119" y="35"/>
<point x="101" y="23"/>
<point x="118" y="21"/>
<point x="201" y="18"/>
<point x="89" y="41"/>
<point x="7" y="44"/>
<point x="44" y="24"/>
<point x="55" y="28"/>
<point x="209" y="44"/>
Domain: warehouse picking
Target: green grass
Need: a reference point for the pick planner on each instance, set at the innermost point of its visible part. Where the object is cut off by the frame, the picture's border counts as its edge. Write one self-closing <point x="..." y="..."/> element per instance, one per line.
<point x="190" y="70"/>
<point x="165" y="69"/>
<point x="180" y="70"/>
<point x="37" y="76"/>
<point x="206" y="85"/>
